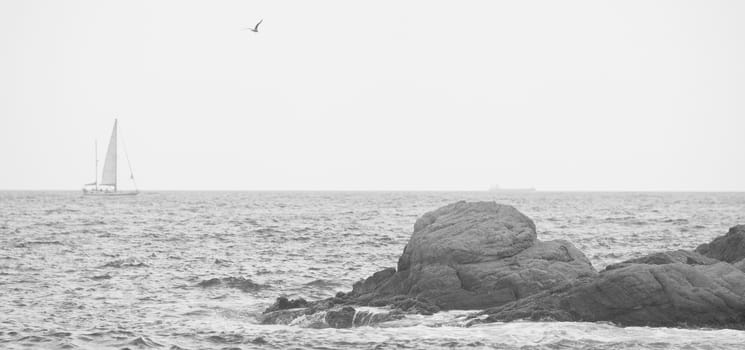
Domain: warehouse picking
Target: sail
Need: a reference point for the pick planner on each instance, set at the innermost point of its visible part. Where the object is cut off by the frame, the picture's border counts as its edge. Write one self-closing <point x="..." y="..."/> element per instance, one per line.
<point x="109" y="165"/>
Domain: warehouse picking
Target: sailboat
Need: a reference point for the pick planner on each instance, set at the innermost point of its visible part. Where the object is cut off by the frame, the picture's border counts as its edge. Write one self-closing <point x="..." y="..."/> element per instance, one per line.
<point x="108" y="184"/>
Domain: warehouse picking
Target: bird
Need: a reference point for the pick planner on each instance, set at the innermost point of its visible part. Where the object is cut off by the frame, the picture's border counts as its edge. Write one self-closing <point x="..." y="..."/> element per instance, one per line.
<point x="255" y="29"/>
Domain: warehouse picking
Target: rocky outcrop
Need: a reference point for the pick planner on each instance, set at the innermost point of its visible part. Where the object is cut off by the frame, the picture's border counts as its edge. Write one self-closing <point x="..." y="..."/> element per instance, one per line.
<point x="674" y="294"/>
<point x="462" y="256"/>
<point x="729" y="248"/>
<point x="472" y="256"/>
<point x="676" y="288"/>
<point x="486" y="256"/>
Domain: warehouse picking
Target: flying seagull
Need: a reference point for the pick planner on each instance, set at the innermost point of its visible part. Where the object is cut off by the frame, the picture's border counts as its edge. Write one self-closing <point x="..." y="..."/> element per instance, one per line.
<point x="255" y="29"/>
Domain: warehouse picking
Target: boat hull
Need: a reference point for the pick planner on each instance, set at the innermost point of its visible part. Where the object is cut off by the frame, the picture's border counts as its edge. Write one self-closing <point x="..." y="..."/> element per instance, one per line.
<point x="110" y="194"/>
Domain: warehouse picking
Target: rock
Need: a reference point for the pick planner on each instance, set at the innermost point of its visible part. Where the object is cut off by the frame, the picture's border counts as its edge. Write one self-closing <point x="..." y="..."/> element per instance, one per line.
<point x="676" y="256"/>
<point x="544" y="306"/>
<point x="729" y="248"/>
<point x="343" y="318"/>
<point x="284" y="316"/>
<point x="366" y="318"/>
<point x="464" y="233"/>
<point x="331" y="317"/>
<point x="473" y="256"/>
<point x="740" y="265"/>
<point x="406" y="304"/>
<point x="282" y="303"/>
<point x="368" y="285"/>
<point x="259" y="341"/>
<point x="664" y="295"/>
<point x="241" y="283"/>
<point x="674" y="294"/>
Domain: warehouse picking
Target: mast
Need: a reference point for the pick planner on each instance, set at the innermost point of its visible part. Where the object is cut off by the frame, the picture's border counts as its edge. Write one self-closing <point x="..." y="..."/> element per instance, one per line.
<point x="95" y="151"/>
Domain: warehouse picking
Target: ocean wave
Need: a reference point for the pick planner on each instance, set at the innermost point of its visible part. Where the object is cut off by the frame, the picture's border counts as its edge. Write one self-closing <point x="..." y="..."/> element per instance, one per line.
<point x="267" y="231"/>
<point x="232" y="338"/>
<point x="28" y="244"/>
<point x="143" y="341"/>
<point x="675" y="221"/>
<point x="93" y="222"/>
<point x="60" y="211"/>
<point x="229" y="338"/>
<point x="126" y="262"/>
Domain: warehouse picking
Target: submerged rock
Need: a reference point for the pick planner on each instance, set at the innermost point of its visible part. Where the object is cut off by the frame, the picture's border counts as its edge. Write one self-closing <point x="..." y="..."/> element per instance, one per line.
<point x="282" y="303"/>
<point x="285" y="316"/>
<point x="367" y="318"/>
<point x="241" y="283"/>
<point x="333" y="317"/>
<point x="259" y="341"/>
<point x="729" y="248"/>
<point x="342" y="318"/>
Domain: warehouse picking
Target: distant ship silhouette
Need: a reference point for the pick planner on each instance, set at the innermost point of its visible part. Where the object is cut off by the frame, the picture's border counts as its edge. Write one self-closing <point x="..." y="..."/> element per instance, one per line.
<point x="496" y="188"/>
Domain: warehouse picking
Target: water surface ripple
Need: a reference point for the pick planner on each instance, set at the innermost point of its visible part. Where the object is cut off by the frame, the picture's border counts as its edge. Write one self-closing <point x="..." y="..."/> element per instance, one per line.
<point x="191" y="270"/>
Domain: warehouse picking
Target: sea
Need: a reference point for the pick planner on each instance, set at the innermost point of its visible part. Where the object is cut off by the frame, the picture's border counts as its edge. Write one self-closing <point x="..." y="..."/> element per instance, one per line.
<point x="193" y="270"/>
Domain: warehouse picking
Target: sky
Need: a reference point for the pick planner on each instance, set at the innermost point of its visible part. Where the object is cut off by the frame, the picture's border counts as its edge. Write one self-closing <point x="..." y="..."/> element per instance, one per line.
<point x="377" y="95"/>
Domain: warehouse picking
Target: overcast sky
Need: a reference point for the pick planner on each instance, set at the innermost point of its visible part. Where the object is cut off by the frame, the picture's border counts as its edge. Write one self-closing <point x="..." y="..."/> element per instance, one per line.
<point x="380" y="95"/>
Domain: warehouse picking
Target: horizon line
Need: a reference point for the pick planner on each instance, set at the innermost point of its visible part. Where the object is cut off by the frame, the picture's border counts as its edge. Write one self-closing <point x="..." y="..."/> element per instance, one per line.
<point x="410" y="190"/>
